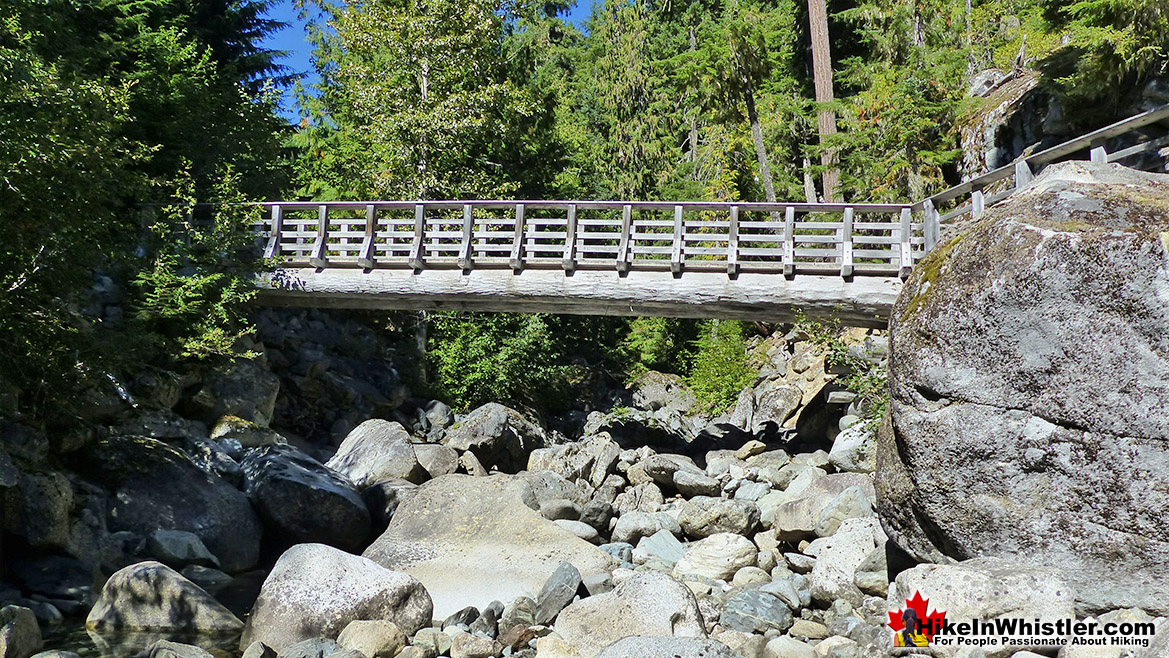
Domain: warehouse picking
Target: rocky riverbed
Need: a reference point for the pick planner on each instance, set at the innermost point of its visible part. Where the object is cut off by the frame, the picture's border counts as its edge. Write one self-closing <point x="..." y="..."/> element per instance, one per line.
<point x="306" y="505"/>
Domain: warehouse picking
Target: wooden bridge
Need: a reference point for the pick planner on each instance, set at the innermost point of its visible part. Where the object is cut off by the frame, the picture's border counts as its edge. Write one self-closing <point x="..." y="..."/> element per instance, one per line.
<point x="753" y="261"/>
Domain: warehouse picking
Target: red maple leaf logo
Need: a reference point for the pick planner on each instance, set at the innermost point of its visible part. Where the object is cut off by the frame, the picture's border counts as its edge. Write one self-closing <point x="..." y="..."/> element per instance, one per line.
<point x="929" y="623"/>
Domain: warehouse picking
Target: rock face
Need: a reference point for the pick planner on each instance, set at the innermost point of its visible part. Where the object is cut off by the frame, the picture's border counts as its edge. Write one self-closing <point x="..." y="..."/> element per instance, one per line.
<point x="316" y="591"/>
<point x="1027" y="354"/>
<point x="498" y="436"/>
<point x="303" y="500"/>
<point x="156" y="486"/>
<point x="474" y="540"/>
<point x="152" y="596"/>
<point x="374" y="451"/>
<point x="20" y="637"/>
<point x="648" y="603"/>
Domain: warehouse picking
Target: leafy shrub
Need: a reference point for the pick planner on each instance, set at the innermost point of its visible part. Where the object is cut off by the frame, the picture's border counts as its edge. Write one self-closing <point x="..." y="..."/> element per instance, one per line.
<point x="721" y="365"/>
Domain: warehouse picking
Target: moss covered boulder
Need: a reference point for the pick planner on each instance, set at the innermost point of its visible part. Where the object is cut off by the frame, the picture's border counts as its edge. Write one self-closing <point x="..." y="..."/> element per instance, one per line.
<point x="1030" y="389"/>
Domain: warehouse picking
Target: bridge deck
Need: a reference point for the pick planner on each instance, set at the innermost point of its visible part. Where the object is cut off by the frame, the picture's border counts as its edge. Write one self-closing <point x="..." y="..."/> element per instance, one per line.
<point x="687" y="259"/>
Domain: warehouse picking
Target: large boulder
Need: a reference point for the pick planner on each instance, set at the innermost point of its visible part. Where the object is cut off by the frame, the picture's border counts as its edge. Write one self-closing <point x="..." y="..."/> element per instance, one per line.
<point x="987" y="588"/>
<point x="303" y="500"/>
<point x="150" y="596"/>
<point x="657" y="390"/>
<point x="648" y="603"/>
<point x="592" y="458"/>
<point x="243" y="389"/>
<point x="666" y="647"/>
<point x="498" y="436"/>
<point x="1029" y="374"/>
<point x="375" y="451"/>
<point x="156" y="486"/>
<point x="316" y="591"/>
<point x="20" y="636"/>
<point x="474" y="540"/>
<point x="38" y="509"/>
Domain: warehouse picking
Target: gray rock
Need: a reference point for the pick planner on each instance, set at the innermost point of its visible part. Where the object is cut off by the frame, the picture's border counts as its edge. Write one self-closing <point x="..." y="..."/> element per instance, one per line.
<point x="786" y="590"/>
<point x="487" y="624"/>
<point x="852" y="503"/>
<point x="988" y="588"/>
<point x="315" y="647"/>
<point x="632" y="526"/>
<point x="648" y="603"/>
<point x="9" y="474"/>
<point x="167" y="649"/>
<point x="38" y="508"/>
<point x="559" y="508"/>
<point x="377" y="450"/>
<point x="855" y="449"/>
<point x="498" y="436"/>
<point x="382" y="499"/>
<point x="439" y="415"/>
<point x="259" y="650"/>
<point x="598" y="583"/>
<point x="754" y="611"/>
<point x="282" y="482"/>
<point x="582" y="530"/>
<point x="466" y="645"/>
<point x="794" y="516"/>
<point x="417" y="652"/>
<point x="152" y="596"/>
<point x="20" y="636"/>
<point x="718" y="556"/>
<point x="209" y="456"/>
<point x="666" y="647"/>
<point x="752" y="491"/>
<point x="243" y="389"/>
<point x="774" y="404"/>
<point x="788" y="647"/>
<point x="703" y="516"/>
<point x="475" y="540"/>
<point x="690" y="483"/>
<point x="1022" y="378"/>
<point x="243" y="432"/>
<point x="55" y="653"/>
<point x="374" y="638"/>
<point x="655" y="390"/>
<point x="520" y="612"/>
<point x="178" y="548"/>
<point x="620" y="551"/>
<point x="597" y="513"/>
<point x="837" y="647"/>
<point x="593" y="459"/>
<point x="316" y="591"/>
<point x="433" y="639"/>
<point x="557" y="592"/>
<point x="437" y="460"/>
<point x="644" y="497"/>
<point x="461" y="619"/>
<point x="156" y="486"/>
<point x="663" y="545"/>
<point x="838" y="557"/>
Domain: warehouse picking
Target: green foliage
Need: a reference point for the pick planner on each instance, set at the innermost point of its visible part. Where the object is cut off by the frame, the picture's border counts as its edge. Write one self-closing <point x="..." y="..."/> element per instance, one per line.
<point x="1111" y="45"/>
<point x="662" y="344"/>
<point x="482" y="357"/>
<point x="868" y="381"/>
<point x="721" y="366"/>
<point x="191" y="298"/>
<point x="102" y="105"/>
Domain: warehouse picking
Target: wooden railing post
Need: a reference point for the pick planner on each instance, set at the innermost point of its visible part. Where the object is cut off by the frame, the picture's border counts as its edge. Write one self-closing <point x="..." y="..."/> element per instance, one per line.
<point x="977" y="201"/>
<point x="272" y="249"/>
<point x="365" y="259"/>
<point x="789" y="242"/>
<point x="569" y="261"/>
<point x="417" y="260"/>
<point x="1023" y="174"/>
<point x="517" y="245"/>
<point x="931" y="229"/>
<point x="846" y="244"/>
<point x="1098" y="154"/>
<point x="466" y="259"/>
<point x="733" y="242"/>
<point x="906" y="258"/>
<point x="623" y="250"/>
<point x="677" y="254"/>
<point x="318" y="257"/>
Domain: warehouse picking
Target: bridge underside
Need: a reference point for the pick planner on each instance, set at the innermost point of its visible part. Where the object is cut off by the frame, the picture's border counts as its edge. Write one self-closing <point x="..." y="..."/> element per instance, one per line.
<point x="865" y="301"/>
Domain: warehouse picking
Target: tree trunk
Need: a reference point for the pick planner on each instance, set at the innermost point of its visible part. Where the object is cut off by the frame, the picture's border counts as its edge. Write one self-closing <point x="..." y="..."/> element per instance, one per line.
<point x="822" y="76"/>
<point x="693" y="111"/>
<point x="424" y="84"/>
<point x="760" y="149"/>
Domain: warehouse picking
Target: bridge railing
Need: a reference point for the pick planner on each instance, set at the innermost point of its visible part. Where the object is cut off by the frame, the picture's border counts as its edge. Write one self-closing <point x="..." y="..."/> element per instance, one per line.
<point x="977" y="194"/>
<point x="838" y="239"/>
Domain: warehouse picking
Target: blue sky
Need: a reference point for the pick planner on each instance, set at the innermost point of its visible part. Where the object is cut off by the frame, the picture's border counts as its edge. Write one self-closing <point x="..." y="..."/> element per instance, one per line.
<point x="292" y="39"/>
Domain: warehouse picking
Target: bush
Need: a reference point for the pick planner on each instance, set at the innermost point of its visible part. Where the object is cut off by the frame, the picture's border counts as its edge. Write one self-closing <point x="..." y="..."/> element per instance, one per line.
<point x="721" y="366"/>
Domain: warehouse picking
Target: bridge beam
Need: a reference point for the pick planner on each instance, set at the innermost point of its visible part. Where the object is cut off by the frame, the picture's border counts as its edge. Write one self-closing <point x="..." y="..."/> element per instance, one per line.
<point x="864" y="301"/>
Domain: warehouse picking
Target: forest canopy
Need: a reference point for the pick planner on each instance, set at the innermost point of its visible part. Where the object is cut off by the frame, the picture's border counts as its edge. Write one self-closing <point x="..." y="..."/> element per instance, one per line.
<point x="118" y="116"/>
